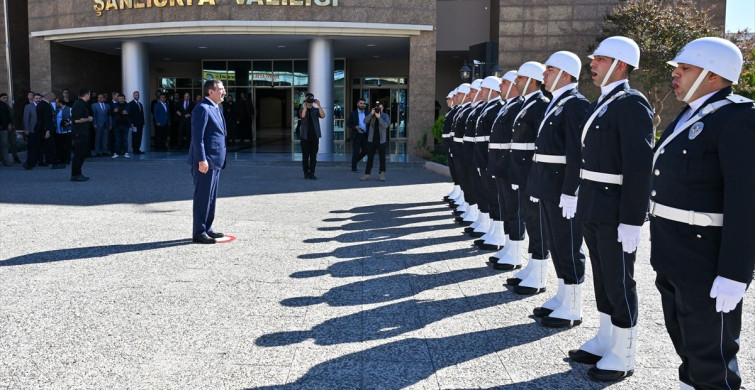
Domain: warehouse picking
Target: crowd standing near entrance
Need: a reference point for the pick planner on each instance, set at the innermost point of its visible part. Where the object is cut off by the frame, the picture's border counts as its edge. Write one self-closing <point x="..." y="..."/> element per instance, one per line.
<point x="564" y="170"/>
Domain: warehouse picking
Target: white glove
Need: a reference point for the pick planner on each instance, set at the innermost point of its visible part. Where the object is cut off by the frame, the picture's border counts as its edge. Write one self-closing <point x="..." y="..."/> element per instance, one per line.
<point x="478" y="172"/>
<point x="568" y="206"/>
<point x="533" y="199"/>
<point x="728" y="293"/>
<point x="629" y="237"/>
<point x="514" y="187"/>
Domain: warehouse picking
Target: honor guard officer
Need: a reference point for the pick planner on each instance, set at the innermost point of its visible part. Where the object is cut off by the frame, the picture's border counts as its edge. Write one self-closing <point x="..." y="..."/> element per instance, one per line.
<point x="617" y="141"/>
<point x="554" y="179"/>
<point x="463" y="157"/>
<point x="464" y="96"/>
<point x="495" y="236"/>
<point x="529" y="78"/>
<point x="446" y="136"/>
<point x="485" y="115"/>
<point x="702" y="214"/>
<point x="498" y="169"/>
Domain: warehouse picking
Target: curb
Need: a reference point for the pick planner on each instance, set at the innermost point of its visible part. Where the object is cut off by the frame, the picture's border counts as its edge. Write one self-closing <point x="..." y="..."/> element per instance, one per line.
<point x="438" y="168"/>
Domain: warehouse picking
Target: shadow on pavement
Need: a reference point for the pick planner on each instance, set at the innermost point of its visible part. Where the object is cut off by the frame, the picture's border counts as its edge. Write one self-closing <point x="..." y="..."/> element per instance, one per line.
<point x="386" y="321"/>
<point x="404" y="362"/>
<point x="88" y="252"/>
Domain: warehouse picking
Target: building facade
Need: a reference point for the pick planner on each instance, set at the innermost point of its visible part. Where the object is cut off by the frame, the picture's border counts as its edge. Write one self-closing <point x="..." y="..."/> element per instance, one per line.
<point x="403" y="54"/>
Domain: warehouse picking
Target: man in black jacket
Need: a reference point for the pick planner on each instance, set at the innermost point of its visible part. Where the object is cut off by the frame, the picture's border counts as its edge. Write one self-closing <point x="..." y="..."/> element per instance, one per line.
<point x="355" y="123"/>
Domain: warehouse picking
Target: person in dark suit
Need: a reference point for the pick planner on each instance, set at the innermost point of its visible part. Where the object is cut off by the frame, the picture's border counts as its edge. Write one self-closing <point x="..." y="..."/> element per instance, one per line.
<point x="463" y="154"/>
<point x="702" y="213"/>
<point x="529" y="78"/>
<point x="554" y="179"/>
<point x="183" y="112"/>
<point x="161" y="116"/>
<point x="101" y="124"/>
<point x="310" y="114"/>
<point x="136" y="120"/>
<point x="44" y="129"/>
<point x="355" y="123"/>
<point x="206" y="158"/>
<point x="448" y="120"/>
<point x="617" y="141"/>
<point x="230" y="109"/>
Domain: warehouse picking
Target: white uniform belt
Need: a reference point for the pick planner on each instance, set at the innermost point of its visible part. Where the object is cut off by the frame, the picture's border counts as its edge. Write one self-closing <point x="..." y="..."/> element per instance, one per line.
<point x="505" y="146"/>
<point x="469" y="139"/>
<point x="484" y="138"/>
<point x="521" y="146"/>
<point x="610" y="178"/>
<point x="549" y="158"/>
<point x="459" y="140"/>
<point x="686" y="216"/>
<point x="446" y="135"/>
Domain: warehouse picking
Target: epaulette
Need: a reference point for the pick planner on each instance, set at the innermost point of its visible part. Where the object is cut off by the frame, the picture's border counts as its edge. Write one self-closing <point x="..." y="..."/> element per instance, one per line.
<point x="738" y="99"/>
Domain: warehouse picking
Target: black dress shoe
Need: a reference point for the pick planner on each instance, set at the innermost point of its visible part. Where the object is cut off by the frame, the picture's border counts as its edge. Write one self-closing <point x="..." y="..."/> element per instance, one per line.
<point x="458" y="213"/>
<point x="583" y="357"/>
<point x="523" y="290"/>
<point x="553" y="322"/>
<point x="506" y="266"/>
<point x="492" y="259"/>
<point x="215" y="234"/>
<point x="203" y="239"/>
<point x="490" y="247"/>
<point x="541" y="312"/>
<point x="312" y="176"/>
<point x="513" y="281"/>
<point x="468" y="229"/>
<point x="599" y="375"/>
<point x="479" y="242"/>
<point x="79" y="178"/>
<point x="445" y="198"/>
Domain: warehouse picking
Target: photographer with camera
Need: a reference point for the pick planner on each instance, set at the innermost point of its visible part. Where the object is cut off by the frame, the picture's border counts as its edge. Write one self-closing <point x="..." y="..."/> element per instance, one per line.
<point x="309" y="133"/>
<point x="377" y="139"/>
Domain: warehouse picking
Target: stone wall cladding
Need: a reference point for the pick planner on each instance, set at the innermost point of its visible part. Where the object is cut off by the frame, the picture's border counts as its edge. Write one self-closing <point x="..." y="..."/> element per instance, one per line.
<point x="421" y="95"/>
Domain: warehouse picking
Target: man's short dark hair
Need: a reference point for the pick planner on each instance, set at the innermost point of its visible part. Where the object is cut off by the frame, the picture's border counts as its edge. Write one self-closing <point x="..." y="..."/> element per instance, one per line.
<point x="309" y="95"/>
<point x="210" y="84"/>
<point x="83" y="92"/>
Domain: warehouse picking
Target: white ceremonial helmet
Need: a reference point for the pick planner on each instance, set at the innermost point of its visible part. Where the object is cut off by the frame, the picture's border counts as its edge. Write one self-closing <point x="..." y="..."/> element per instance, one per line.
<point x="463" y="88"/>
<point x="476" y="84"/>
<point x="620" y="49"/>
<point x="565" y="61"/>
<point x="510" y="76"/>
<point x="530" y="70"/>
<point x="492" y="82"/>
<point x="716" y="55"/>
<point x="451" y="94"/>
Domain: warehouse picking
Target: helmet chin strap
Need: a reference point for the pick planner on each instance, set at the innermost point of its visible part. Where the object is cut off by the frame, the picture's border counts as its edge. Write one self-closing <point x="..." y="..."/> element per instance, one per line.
<point x="490" y="92"/>
<point x="508" y="90"/>
<point x="608" y="74"/>
<point x="695" y="85"/>
<point x="555" y="81"/>
<point x="526" y="85"/>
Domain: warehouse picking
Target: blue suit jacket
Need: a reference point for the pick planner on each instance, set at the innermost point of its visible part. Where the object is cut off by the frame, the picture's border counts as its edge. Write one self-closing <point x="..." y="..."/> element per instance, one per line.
<point x="207" y="135"/>
<point x="161" y="115"/>
<point x="100" y="115"/>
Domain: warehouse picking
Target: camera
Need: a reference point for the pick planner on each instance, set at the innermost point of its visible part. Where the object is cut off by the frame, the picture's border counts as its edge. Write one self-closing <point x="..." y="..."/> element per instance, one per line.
<point x="377" y="107"/>
<point x="310" y="100"/>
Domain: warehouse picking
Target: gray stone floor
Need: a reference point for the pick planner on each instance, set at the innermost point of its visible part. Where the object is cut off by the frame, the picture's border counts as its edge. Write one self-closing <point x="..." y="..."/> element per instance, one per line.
<point x="330" y="284"/>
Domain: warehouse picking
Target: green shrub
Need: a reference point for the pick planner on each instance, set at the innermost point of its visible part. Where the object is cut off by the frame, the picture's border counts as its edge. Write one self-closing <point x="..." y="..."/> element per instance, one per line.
<point x="438" y="129"/>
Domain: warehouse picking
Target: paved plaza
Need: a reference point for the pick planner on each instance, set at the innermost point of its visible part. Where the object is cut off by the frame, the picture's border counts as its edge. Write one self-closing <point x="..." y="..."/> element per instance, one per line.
<point x="329" y="284"/>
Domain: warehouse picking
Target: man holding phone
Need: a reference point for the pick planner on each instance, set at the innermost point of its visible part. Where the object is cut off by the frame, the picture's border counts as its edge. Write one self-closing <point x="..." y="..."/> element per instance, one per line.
<point x="309" y="133"/>
<point x="377" y="123"/>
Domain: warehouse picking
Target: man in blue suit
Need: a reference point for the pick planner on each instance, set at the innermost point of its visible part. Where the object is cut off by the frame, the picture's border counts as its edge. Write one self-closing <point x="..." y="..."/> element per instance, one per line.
<point x="161" y="115"/>
<point x="101" y="125"/>
<point x="207" y="158"/>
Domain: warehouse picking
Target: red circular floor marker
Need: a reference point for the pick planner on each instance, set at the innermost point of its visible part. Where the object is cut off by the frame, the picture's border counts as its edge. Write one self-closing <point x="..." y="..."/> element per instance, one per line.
<point x="225" y="239"/>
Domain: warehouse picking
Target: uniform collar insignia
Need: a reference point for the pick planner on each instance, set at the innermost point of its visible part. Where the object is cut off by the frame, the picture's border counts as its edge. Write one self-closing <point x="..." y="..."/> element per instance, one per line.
<point x="603" y="110"/>
<point x="558" y="110"/>
<point x="696" y="129"/>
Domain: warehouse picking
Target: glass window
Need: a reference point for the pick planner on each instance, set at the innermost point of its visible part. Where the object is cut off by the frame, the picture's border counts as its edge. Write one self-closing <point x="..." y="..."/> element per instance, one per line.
<point x="167" y="83"/>
<point x="339" y="73"/>
<point x="238" y="73"/>
<point x="214" y="70"/>
<point x="283" y="75"/>
<point x="301" y="73"/>
<point x="183" y="82"/>
<point x="262" y="73"/>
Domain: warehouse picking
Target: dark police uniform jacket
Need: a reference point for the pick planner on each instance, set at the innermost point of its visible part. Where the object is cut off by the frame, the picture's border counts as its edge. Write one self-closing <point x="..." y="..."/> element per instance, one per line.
<point x="524" y="130"/>
<point x="448" y="122"/>
<point x="460" y="119"/>
<point x="484" y="125"/>
<point x="708" y="168"/>
<point x="460" y="127"/>
<point x="559" y="135"/>
<point x="498" y="159"/>
<point x="469" y="129"/>
<point x="619" y="141"/>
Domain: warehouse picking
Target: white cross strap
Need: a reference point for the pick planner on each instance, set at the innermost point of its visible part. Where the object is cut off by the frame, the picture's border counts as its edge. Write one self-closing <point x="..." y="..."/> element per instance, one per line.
<point x="597" y="111"/>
